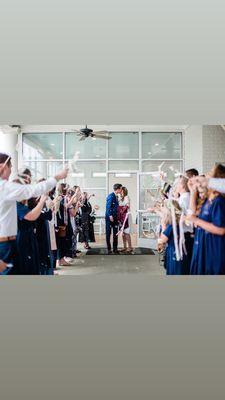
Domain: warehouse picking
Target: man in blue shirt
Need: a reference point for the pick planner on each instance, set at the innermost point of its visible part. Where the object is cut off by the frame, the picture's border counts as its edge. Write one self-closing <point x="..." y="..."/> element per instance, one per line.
<point x="111" y="218"/>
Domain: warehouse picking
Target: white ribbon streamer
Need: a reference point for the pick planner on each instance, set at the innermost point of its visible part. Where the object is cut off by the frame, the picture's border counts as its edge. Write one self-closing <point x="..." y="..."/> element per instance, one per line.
<point x="124" y="222"/>
<point x="174" y="225"/>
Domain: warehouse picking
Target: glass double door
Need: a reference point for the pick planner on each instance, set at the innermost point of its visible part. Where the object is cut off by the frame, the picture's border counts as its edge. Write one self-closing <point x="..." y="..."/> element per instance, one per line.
<point x="148" y="222"/>
<point x="142" y="189"/>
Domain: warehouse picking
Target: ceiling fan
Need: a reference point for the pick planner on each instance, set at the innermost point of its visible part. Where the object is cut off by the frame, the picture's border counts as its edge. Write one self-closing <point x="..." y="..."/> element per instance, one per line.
<point x="86" y="132"/>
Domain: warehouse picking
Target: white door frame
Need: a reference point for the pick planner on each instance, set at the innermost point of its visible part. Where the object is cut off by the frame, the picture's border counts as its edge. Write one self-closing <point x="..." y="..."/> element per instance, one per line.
<point x="137" y="180"/>
<point x="143" y="242"/>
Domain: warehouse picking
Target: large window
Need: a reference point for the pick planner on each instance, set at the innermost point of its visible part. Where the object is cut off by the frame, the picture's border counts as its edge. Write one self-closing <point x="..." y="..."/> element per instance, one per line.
<point x="98" y="200"/>
<point x="161" y="145"/>
<point x="89" y="148"/>
<point x="43" y="169"/>
<point x="124" y="165"/>
<point x="148" y="189"/>
<point x="89" y="174"/>
<point x="46" y="153"/>
<point x="170" y="168"/>
<point x="42" y="146"/>
<point x="124" y="145"/>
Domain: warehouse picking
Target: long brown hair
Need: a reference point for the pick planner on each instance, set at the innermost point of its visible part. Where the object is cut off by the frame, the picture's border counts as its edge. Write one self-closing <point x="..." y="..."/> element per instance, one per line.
<point x="217" y="172"/>
<point x="124" y="191"/>
<point x="5" y="158"/>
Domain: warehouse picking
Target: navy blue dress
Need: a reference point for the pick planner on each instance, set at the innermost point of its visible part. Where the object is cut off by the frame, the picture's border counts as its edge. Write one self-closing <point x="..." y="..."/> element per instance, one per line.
<point x="28" y="257"/>
<point x="172" y="266"/>
<point x="44" y="245"/>
<point x="209" y="249"/>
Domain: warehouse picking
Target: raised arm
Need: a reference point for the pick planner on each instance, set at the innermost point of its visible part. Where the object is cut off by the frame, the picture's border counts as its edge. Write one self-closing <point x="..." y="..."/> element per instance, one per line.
<point x="207" y="226"/>
<point x="18" y="192"/>
<point x="74" y="209"/>
<point x="74" y="199"/>
<point x="35" y="213"/>
<point x="217" y="184"/>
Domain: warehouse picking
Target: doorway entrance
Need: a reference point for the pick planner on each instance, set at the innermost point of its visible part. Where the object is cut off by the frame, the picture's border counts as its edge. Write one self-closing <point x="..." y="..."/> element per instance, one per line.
<point x="130" y="181"/>
<point x="145" y="224"/>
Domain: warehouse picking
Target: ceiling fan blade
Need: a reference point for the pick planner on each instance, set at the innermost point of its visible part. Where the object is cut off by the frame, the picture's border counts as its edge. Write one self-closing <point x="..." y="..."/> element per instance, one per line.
<point x="83" y="138"/>
<point x="96" y="135"/>
<point x="100" y="132"/>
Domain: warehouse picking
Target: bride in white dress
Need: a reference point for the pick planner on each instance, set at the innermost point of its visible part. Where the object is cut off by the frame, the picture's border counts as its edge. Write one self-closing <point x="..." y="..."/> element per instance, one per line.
<point x="125" y="202"/>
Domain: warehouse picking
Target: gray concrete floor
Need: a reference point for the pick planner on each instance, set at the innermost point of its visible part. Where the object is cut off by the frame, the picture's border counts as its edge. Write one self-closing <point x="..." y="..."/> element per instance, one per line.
<point x="123" y="264"/>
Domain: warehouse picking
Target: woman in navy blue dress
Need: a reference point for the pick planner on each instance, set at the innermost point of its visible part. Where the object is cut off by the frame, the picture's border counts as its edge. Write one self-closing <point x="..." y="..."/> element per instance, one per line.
<point x="171" y="264"/>
<point x="209" y="244"/>
<point x="28" y="262"/>
<point x="43" y="238"/>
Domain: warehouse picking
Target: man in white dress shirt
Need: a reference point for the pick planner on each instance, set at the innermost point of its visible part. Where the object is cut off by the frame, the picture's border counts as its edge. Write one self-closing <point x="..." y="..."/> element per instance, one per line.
<point x="10" y="193"/>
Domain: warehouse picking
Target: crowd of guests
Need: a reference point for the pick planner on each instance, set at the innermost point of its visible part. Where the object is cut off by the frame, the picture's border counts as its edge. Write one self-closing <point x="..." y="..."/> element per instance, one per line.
<point x="49" y="223"/>
<point x="41" y="224"/>
<point x="73" y="221"/>
<point x="192" y="229"/>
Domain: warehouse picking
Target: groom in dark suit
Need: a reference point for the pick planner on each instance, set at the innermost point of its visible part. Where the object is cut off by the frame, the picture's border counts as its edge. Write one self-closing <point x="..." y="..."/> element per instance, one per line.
<point x="111" y="218"/>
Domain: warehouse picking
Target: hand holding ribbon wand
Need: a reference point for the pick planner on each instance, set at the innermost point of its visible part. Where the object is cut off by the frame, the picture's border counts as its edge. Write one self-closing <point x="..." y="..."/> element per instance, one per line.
<point x="124" y="223"/>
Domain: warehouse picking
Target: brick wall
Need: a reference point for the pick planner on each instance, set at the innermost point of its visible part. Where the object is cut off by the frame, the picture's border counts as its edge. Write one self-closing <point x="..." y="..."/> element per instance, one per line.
<point x="213" y="140"/>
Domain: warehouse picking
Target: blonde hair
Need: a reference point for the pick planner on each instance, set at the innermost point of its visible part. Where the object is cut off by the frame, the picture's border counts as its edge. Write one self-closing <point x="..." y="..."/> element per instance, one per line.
<point x="166" y="212"/>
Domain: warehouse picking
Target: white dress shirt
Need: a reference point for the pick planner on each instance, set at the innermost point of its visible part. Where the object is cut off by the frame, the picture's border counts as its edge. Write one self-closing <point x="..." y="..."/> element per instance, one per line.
<point x="217" y="184"/>
<point x="10" y="193"/>
<point x="184" y="203"/>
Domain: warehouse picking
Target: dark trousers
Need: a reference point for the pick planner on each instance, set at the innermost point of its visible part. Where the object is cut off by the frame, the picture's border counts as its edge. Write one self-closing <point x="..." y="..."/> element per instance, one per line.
<point x="111" y="226"/>
<point x="8" y="254"/>
<point x="61" y="246"/>
<point x="189" y="243"/>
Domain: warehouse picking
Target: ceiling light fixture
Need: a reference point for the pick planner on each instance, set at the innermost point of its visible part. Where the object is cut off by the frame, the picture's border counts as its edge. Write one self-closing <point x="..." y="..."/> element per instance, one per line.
<point x="99" y="174"/>
<point x="122" y="175"/>
<point x="77" y="174"/>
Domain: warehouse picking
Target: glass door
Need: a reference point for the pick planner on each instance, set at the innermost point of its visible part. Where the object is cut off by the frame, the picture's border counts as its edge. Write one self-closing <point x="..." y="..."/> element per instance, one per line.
<point x="129" y="180"/>
<point x="148" y="222"/>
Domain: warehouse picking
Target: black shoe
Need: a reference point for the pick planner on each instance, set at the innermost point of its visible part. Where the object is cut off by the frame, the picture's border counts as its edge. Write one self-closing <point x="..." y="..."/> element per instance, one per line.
<point x="116" y="252"/>
<point x="110" y="252"/>
<point x="78" y="251"/>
